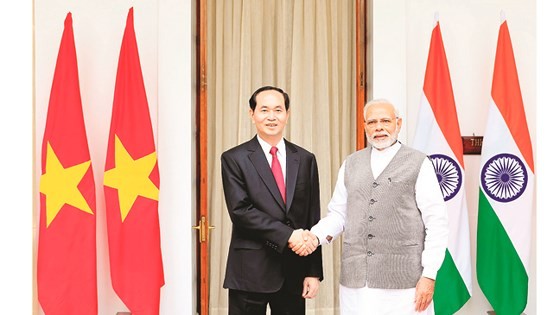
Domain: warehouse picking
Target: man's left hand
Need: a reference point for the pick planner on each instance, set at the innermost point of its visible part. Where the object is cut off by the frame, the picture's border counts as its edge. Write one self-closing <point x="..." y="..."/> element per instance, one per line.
<point x="310" y="287"/>
<point x="424" y="293"/>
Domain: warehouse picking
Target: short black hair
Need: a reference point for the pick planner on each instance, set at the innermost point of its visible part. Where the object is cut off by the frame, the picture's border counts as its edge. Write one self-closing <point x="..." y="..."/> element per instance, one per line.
<point x="253" y="99"/>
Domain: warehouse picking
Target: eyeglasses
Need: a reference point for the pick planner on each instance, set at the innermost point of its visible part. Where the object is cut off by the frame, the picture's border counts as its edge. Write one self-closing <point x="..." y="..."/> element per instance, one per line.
<point x="383" y="121"/>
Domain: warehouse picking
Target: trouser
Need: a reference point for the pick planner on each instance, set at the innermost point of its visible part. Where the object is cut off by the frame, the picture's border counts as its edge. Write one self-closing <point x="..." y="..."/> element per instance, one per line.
<point x="368" y="301"/>
<point x="254" y="303"/>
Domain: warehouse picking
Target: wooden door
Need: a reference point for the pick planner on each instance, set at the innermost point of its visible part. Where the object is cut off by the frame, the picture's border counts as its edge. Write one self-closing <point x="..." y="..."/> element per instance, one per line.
<point x="204" y="226"/>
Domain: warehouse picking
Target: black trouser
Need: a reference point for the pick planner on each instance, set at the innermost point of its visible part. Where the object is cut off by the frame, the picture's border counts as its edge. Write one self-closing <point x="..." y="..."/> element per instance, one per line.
<point x="252" y="303"/>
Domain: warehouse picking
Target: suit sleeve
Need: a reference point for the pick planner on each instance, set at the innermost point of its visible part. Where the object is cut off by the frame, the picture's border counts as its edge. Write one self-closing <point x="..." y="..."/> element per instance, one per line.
<point x="242" y="212"/>
<point x="315" y="259"/>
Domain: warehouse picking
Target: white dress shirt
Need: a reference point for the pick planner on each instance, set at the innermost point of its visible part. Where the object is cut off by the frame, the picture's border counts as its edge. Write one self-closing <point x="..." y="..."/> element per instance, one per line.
<point x="281" y="153"/>
<point x="428" y="199"/>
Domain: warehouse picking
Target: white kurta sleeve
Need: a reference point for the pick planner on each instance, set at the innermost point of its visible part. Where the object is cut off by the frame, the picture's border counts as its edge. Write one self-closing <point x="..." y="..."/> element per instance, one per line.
<point x="333" y="224"/>
<point x="434" y="214"/>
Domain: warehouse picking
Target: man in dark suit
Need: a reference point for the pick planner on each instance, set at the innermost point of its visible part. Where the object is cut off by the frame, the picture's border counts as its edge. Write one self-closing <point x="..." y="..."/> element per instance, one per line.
<point x="271" y="187"/>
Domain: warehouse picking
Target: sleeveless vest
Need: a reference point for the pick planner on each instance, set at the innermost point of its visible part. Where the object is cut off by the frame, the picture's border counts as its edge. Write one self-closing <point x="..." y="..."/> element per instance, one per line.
<point x="384" y="232"/>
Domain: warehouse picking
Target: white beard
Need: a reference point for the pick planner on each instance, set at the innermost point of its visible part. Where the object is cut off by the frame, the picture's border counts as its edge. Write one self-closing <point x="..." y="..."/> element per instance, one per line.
<point x="382" y="144"/>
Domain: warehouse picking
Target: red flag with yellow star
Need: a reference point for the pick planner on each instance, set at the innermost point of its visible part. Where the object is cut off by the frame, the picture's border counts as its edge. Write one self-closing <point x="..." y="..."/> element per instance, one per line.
<point x="66" y="262"/>
<point x="132" y="187"/>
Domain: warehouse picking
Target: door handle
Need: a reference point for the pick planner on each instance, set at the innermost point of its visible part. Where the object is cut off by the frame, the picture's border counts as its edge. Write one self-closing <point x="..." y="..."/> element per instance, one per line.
<point x="203" y="229"/>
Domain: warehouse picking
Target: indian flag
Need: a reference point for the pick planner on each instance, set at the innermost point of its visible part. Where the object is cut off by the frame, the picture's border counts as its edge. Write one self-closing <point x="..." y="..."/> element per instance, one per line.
<point x="438" y="135"/>
<point x="506" y="190"/>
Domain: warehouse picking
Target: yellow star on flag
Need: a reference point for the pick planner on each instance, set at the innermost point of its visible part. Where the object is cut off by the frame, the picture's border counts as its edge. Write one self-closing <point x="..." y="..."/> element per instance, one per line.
<point x="60" y="185"/>
<point x="131" y="177"/>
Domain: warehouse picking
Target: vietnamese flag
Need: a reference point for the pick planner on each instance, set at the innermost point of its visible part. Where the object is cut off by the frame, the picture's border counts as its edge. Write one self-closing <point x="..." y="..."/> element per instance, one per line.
<point x="131" y="185"/>
<point x="66" y="262"/>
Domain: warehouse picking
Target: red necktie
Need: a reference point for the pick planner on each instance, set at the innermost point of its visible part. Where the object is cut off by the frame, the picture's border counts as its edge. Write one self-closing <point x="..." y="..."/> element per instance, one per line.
<point x="277" y="172"/>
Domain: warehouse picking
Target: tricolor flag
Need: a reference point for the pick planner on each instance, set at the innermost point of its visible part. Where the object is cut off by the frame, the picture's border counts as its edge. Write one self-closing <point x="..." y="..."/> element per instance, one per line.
<point x="506" y="190"/>
<point x="66" y="262"/>
<point x="132" y="187"/>
<point x="438" y="135"/>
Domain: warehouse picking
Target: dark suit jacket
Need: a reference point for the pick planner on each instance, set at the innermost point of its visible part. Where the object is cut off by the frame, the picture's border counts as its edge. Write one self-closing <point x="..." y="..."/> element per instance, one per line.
<point x="259" y="258"/>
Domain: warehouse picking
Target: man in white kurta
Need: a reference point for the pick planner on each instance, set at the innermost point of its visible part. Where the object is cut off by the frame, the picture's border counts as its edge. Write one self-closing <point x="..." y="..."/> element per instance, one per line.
<point x="382" y="125"/>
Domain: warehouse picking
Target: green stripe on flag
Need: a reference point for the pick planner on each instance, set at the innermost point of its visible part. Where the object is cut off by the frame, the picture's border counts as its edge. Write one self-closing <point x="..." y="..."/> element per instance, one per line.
<point x="450" y="293"/>
<point x="500" y="272"/>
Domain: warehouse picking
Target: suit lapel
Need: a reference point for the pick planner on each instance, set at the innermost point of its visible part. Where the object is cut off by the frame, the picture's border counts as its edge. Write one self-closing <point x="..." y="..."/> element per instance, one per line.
<point x="292" y="166"/>
<point x="260" y="163"/>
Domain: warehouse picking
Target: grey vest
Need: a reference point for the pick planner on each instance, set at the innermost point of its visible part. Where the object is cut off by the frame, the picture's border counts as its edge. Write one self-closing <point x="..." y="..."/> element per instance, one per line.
<point x="384" y="232"/>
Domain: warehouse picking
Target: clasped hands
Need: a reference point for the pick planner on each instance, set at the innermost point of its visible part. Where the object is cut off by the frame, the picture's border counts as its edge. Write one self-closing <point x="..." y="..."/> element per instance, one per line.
<point x="303" y="242"/>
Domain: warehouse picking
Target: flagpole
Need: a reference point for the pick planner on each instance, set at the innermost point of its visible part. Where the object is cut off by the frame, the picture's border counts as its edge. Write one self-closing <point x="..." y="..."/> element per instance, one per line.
<point x="502" y="16"/>
<point x="436" y="18"/>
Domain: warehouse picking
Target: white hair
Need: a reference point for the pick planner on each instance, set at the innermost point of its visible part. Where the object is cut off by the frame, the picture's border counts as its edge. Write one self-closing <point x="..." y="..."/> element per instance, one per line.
<point x="378" y="101"/>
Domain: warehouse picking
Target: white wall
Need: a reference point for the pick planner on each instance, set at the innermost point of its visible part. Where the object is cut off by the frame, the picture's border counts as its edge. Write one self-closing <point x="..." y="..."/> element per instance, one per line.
<point x="401" y="38"/>
<point x="548" y="67"/>
<point x="164" y="34"/>
<point x="16" y="157"/>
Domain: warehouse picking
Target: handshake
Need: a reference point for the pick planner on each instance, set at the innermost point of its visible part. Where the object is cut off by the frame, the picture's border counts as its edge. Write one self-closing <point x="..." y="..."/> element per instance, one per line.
<point x="303" y="242"/>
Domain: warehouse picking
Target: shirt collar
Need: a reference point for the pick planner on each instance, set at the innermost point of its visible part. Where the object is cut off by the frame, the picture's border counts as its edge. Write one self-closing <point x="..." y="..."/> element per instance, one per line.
<point x="266" y="146"/>
<point x="387" y="151"/>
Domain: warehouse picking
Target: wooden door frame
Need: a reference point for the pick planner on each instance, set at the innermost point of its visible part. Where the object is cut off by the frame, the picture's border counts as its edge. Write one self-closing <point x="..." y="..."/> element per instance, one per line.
<point x="202" y="158"/>
<point x="361" y="74"/>
<point x="202" y="132"/>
